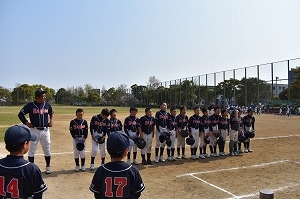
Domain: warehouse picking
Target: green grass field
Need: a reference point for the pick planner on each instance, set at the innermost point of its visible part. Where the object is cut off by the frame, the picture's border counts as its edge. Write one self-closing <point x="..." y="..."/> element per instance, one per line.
<point x="9" y="114"/>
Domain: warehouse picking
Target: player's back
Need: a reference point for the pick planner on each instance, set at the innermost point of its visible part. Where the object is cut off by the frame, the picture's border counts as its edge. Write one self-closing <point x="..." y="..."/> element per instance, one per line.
<point x="19" y="178"/>
<point x="117" y="180"/>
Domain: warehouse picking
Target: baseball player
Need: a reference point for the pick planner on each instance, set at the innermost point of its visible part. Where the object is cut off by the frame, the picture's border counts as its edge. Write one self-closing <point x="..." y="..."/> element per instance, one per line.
<point x="79" y="132"/>
<point x="39" y="113"/>
<point x="224" y="130"/>
<point x="213" y="127"/>
<point x="172" y="128"/>
<point x="234" y="133"/>
<point x="162" y="119"/>
<point x="117" y="179"/>
<point x="115" y="123"/>
<point x="18" y="177"/>
<point x="241" y="129"/>
<point x="131" y="124"/>
<point x="194" y="125"/>
<point x="248" y="121"/>
<point x="99" y="128"/>
<point x="146" y="130"/>
<point x="204" y="133"/>
<point x="182" y="121"/>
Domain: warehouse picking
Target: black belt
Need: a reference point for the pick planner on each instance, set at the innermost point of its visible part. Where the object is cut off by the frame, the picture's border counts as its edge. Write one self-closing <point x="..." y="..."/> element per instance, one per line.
<point x="41" y="128"/>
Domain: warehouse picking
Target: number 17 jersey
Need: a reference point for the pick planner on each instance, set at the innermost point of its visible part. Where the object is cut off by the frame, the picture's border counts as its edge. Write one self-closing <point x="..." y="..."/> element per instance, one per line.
<point x="117" y="180"/>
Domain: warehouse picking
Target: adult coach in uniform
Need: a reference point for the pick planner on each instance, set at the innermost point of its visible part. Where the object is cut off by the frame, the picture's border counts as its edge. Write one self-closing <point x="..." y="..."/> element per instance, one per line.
<point x="18" y="177"/>
<point x="117" y="179"/>
<point x="39" y="113"/>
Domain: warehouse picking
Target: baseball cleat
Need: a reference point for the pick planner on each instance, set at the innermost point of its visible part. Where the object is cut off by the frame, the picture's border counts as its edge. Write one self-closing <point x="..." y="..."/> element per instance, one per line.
<point x="240" y="151"/>
<point x="201" y="156"/>
<point x="246" y="151"/>
<point x="194" y="157"/>
<point x="156" y="159"/>
<point x="76" y="168"/>
<point x="135" y="162"/>
<point x="183" y="157"/>
<point x="144" y="162"/>
<point x="170" y="159"/>
<point x="232" y="154"/>
<point x="217" y="155"/>
<point x="173" y="159"/>
<point x="250" y="150"/>
<point x="161" y="159"/>
<point x="236" y="153"/>
<point x="83" y="168"/>
<point x="48" y="170"/>
<point x="206" y="155"/>
<point x="149" y="162"/>
<point x="212" y="155"/>
<point x="178" y="156"/>
<point x="92" y="166"/>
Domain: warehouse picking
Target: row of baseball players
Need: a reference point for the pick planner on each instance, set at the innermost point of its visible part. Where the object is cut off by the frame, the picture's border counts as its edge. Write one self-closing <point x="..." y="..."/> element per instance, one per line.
<point x="204" y="130"/>
<point x="41" y="118"/>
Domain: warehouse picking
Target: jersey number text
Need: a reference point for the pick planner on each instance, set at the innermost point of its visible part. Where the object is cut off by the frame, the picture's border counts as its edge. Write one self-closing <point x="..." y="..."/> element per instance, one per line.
<point x="120" y="182"/>
<point x="12" y="187"/>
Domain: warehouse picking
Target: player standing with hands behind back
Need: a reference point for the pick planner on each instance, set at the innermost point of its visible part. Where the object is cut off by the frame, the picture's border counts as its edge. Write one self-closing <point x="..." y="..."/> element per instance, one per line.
<point x="117" y="179"/>
<point x="79" y="132"/>
<point x="39" y="113"/>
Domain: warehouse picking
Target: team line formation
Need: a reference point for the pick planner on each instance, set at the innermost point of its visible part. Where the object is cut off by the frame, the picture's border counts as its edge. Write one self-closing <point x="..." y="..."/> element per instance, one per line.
<point x="169" y="128"/>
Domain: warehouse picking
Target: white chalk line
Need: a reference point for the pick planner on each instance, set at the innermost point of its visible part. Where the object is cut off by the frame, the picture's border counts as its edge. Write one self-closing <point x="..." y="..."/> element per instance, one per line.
<point x="210" y="184"/>
<point x="276" y="137"/>
<point x="280" y="189"/>
<point x="234" y="168"/>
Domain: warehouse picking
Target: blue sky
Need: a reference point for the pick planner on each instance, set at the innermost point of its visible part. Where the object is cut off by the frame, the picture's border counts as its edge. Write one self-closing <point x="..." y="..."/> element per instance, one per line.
<point x="64" y="43"/>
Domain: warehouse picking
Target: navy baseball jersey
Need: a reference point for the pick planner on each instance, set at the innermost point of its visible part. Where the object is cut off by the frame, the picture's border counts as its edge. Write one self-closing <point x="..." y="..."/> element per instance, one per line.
<point x="248" y="121"/>
<point x="182" y="121"/>
<point x="117" y="180"/>
<point x="115" y="125"/>
<point x="214" y="121"/>
<point x="172" y="125"/>
<point x="147" y="124"/>
<point x="38" y="113"/>
<point x="234" y="124"/>
<point x="205" y="121"/>
<point x="131" y="123"/>
<point x="20" y="178"/>
<point x="241" y="123"/>
<point x="224" y="123"/>
<point x="100" y="125"/>
<point x="162" y="119"/>
<point x="79" y="128"/>
<point x="194" y="122"/>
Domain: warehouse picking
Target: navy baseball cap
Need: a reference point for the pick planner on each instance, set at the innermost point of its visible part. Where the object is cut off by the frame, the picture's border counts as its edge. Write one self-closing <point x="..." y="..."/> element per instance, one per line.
<point x="117" y="142"/>
<point x="39" y="92"/>
<point x="18" y="134"/>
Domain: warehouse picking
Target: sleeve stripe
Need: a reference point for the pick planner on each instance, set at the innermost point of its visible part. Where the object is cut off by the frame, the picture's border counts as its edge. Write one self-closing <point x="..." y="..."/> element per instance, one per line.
<point x="42" y="190"/>
<point x="142" y="189"/>
<point x="92" y="190"/>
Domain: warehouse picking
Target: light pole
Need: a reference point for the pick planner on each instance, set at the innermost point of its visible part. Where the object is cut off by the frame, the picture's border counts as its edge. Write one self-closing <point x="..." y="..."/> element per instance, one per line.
<point x="276" y="86"/>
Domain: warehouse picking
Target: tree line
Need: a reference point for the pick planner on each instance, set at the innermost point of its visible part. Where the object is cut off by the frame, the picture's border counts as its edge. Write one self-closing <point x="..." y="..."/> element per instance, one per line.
<point x="185" y="92"/>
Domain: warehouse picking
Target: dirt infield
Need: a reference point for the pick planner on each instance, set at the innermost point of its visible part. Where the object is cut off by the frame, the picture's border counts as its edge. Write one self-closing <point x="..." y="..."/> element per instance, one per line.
<point x="274" y="164"/>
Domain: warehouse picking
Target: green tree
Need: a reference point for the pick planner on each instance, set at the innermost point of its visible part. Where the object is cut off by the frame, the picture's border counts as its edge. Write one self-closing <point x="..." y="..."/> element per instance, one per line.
<point x="5" y="94"/>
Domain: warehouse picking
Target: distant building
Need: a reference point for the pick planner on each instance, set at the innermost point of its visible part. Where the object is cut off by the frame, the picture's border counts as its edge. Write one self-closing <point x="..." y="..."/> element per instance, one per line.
<point x="278" y="88"/>
<point x="292" y="75"/>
